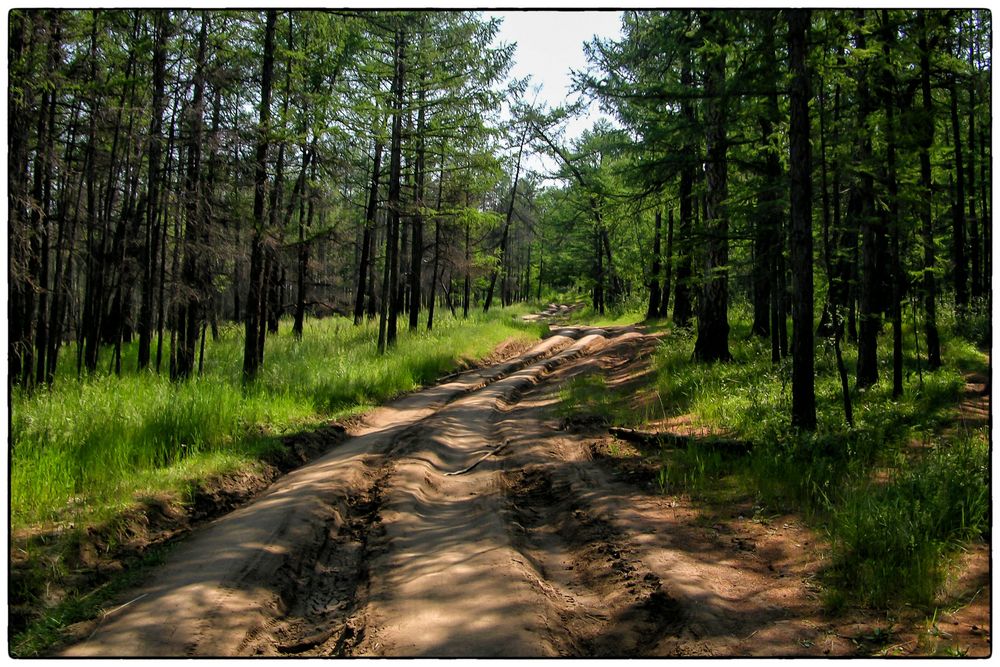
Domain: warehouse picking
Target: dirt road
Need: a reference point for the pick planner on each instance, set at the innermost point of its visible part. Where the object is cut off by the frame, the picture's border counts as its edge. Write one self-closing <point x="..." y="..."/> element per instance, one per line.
<point x="459" y="521"/>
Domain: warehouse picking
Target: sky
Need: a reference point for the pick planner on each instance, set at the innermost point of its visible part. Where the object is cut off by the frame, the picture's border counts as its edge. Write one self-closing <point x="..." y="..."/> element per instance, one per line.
<point x="549" y="45"/>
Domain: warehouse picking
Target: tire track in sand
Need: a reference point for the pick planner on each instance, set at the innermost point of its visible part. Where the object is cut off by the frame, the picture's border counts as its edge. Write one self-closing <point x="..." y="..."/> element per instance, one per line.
<point x="234" y="585"/>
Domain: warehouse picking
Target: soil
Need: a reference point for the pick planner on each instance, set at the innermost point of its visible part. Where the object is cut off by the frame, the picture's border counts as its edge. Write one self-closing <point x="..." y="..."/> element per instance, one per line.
<point x="468" y="520"/>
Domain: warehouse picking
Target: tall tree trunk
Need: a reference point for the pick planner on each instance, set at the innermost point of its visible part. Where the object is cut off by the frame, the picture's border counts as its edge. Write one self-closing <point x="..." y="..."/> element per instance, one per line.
<point x="768" y="200"/>
<point x="800" y="170"/>
<point x="417" y="223"/>
<point x="506" y="225"/>
<point x="192" y="279"/>
<point x="39" y="233"/>
<point x="60" y="281"/>
<point x="654" y="274"/>
<point x="769" y="240"/>
<point x="974" y="248"/>
<point x="161" y="315"/>
<point x="89" y="322"/>
<point x="712" y="343"/>
<point x="682" y="299"/>
<point x="390" y="287"/>
<point x="683" y="310"/>
<point x="959" y="261"/>
<point x="838" y="239"/>
<point x="306" y="201"/>
<point x="986" y="203"/>
<point x="869" y="317"/>
<point x="668" y="264"/>
<point x="896" y="306"/>
<point x="926" y="137"/>
<point x="251" y="362"/>
<point x="161" y="20"/>
<point x="366" y="242"/>
<point x="467" y="283"/>
<point x="19" y="105"/>
<point x="372" y="308"/>
<point x="437" y="244"/>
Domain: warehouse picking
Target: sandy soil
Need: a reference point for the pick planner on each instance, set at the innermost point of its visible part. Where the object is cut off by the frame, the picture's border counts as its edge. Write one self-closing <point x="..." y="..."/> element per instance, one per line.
<point x="462" y="521"/>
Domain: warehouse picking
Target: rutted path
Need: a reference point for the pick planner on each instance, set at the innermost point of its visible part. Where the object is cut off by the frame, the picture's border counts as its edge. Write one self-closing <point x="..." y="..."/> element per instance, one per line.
<point x="459" y="522"/>
<point x="291" y="571"/>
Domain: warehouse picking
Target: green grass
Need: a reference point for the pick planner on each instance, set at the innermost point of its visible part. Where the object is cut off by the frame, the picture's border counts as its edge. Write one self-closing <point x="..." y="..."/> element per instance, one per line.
<point x="890" y="538"/>
<point x="86" y="448"/>
<point x="890" y="541"/>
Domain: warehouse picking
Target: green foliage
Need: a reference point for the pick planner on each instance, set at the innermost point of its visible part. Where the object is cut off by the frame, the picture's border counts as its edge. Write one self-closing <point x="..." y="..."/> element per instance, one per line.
<point x="891" y="533"/>
<point x="889" y="539"/>
<point x="91" y="445"/>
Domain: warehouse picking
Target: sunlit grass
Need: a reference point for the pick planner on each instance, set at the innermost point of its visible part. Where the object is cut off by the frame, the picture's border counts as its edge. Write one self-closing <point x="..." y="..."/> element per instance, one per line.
<point x="90" y="446"/>
<point x="890" y="537"/>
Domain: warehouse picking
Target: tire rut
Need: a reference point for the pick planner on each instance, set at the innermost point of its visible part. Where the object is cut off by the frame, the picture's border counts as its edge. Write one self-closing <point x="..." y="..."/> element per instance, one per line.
<point x="448" y="581"/>
<point x="347" y="550"/>
<point x="608" y="603"/>
<point x="322" y="586"/>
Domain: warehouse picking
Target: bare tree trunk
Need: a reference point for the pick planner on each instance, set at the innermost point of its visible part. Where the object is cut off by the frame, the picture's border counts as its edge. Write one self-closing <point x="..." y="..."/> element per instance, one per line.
<point x="191" y="312"/>
<point x="896" y="307"/>
<point x="668" y="265"/>
<point x="305" y="228"/>
<point x="926" y="141"/>
<point x="467" y="284"/>
<point x="390" y="286"/>
<point x="800" y="168"/>
<point x="251" y="362"/>
<point x="869" y="317"/>
<point x="654" y="279"/>
<point x="974" y="247"/>
<point x="366" y="243"/>
<point x="682" y="292"/>
<point x="712" y="343"/>
<point x="437" y="244"/>
<point x="506" y="226"/>
<point x="161" y="20"/>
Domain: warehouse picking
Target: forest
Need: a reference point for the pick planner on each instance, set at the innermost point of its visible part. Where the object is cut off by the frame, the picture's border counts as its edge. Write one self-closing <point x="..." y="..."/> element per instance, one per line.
<point x="230" y="228"/>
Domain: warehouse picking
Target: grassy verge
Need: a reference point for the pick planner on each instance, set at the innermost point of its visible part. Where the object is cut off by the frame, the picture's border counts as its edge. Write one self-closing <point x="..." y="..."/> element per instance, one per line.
<point x="86" y="448"/>
<point x="896" y="495"/>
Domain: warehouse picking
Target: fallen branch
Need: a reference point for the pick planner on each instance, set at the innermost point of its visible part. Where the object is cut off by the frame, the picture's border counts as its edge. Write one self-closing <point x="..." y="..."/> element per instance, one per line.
<point x="672" y="440"/>
<point x="479" y="460"/>
<point x="105" y="614"/>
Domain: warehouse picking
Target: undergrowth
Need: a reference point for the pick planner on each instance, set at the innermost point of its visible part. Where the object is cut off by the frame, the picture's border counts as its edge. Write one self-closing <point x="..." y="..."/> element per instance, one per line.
<point x="897" y="494"/>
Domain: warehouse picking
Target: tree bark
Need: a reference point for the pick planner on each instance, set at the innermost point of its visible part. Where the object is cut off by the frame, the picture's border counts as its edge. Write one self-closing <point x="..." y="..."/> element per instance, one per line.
<point x="307" y="201"/>
<point x="366" y="242"/>
<point x="251" y="360"/>
<point x="869" y="317"/>
<point x="506" y="225"/>
<point x="668" y="264"/>
<point x="390" y="287"/>
<point x="437" y="245"/>
<point x="800" y="168"/>
<point x="974" y="247"/>
<point x="161" y="20"/>
<point x="192" y="273"/>
<point x="926" y="140"/>
<point x="654" y="278"/>
<point x="896" y="307"/>
<point x="712" y="343"/>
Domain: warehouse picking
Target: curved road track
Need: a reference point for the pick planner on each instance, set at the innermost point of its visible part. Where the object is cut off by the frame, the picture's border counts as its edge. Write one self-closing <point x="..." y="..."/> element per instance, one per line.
<point x="457" y="521"/>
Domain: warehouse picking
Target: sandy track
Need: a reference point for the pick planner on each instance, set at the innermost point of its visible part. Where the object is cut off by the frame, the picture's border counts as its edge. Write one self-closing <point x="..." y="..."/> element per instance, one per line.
<point x="459" y="521"/>
<point x="290" y="572"/>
